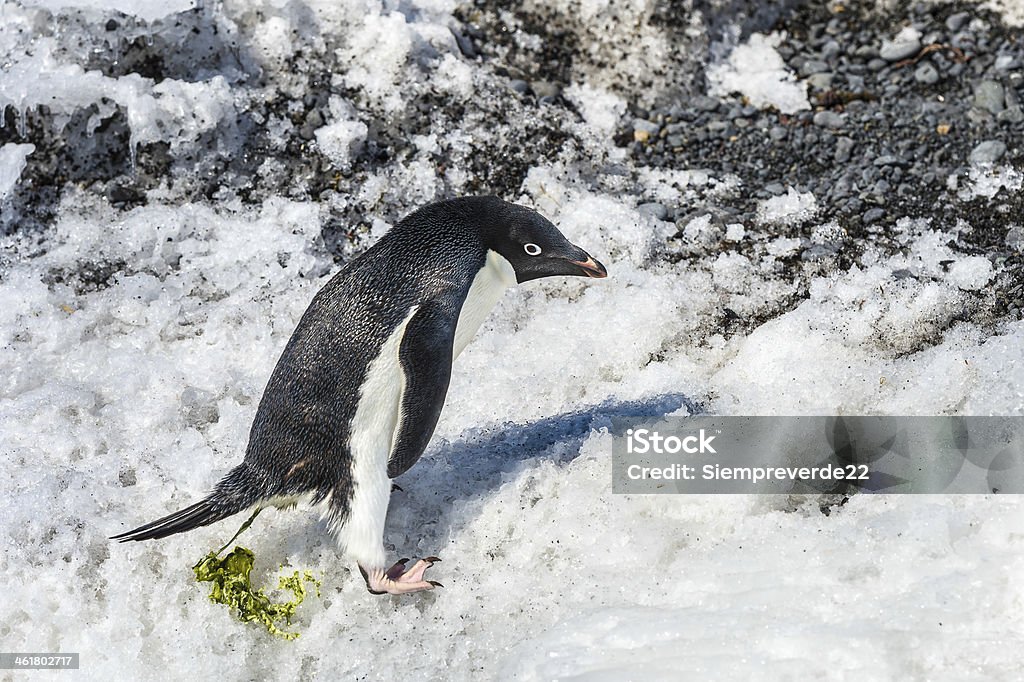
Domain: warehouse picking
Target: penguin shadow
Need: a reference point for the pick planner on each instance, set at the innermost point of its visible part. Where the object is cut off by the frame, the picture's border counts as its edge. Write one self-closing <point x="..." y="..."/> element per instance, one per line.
<point x="436" y="495"/>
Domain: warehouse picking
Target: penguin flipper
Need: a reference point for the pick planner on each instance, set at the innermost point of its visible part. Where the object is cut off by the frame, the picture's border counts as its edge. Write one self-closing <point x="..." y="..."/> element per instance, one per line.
<point x="426" y="358"/>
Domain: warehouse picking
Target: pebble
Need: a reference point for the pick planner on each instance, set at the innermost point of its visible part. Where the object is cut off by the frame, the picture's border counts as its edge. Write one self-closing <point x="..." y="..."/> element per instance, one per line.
<point x="828" y="119"/>
<point x="844" y="145"/>
<point x="989" y="95"/>
<point x="956" y="21"/>
<point x="988" y="152"/>
<point x="927" y="74"/>
<point x="704" y="103"/>
<point x="821" y="81"/>
<point x="1012" y="114"/>
<point x="873" y="215"/>
<point x="545" y="89"/>
<point x="813" y="66"/>
<point x="778" y="133"/>
<point x="899" y="49"/>
<point x="653" y="209"/>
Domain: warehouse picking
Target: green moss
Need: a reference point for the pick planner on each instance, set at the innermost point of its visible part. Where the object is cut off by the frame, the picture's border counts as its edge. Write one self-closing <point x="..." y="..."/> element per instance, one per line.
<point x="233" y="588"/>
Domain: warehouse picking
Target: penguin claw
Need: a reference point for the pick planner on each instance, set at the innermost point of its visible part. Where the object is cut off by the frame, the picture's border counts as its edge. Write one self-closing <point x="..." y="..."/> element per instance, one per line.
<point x="397" y="580"/>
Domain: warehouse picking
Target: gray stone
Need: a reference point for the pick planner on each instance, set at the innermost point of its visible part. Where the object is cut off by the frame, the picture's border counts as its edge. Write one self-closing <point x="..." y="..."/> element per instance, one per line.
<point x="704" y="103"/>
<point x="988" y="95"/>
<point x="988" y="152"/>
<point x="828" y="119"/>
<point x="956" y="21"/>
<point x="894" y="51"/>
<point x="927" y="74"/>
<point x="778" y="133"/>
<point x="520" y="86"/>
<point x="844" y="145"/>
<point x="873" y="215"/>
<point x="1015" y="238"/>
<point x="812" y="66"/>
<point x="821" y="81"/>
<point x="545" y="89"/>
<point x="1012" y="114"/>
<point x="877" y="64"/>
<point x="653" y="209"/>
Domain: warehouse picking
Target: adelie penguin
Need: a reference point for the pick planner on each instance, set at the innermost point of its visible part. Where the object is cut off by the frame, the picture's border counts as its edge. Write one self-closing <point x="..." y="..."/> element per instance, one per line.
<point x="357" y="392"/>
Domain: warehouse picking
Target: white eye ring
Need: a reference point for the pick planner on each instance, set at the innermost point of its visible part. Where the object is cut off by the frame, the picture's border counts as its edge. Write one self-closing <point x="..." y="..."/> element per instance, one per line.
<point x="531" y="249"/>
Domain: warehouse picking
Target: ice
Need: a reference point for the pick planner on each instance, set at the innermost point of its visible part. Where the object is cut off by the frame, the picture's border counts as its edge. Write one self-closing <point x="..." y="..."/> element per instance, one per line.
<point x="147" y="10"/>
<point x="756" y="71"/>
<point x="171" y="111"/>
<point x="987" y="181"/>
<point x="793" y="207"/>
<point x="971" y="273"/>
<point x="12" y="163"/>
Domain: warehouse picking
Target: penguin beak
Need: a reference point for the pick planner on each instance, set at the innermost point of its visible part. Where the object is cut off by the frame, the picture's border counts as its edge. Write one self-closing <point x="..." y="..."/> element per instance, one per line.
<point x="590" y="267"/>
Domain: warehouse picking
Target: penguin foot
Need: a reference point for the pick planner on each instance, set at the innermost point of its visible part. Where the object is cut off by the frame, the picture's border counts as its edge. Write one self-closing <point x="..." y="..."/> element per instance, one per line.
<point x="398" y="580"/>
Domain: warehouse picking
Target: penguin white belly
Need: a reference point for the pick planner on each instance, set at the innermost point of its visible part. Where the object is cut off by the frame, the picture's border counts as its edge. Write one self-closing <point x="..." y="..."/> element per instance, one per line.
<point x="488" y="286"/>
<point x="371" y="440"/>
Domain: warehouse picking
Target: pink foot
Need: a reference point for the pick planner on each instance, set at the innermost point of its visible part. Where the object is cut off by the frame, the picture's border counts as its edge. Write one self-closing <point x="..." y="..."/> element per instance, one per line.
<point x="398" y="580"/>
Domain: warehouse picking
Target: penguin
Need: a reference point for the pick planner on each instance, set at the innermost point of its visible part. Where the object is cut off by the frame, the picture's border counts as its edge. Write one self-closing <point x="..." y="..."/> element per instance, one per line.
<point x="357" y="392"/>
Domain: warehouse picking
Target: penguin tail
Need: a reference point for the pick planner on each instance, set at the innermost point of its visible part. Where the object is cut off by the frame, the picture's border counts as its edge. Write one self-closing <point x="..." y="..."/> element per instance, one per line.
<point x="219" y="505"/>
<point x="199" y="514"/>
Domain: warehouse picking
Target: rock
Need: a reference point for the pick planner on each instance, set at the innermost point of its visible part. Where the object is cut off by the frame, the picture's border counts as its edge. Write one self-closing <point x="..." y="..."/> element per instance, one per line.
<point x="653" y="209"/>
<point x="830" y="50"/>
<point x="704" y="103"/>
<point x="520" y="86"/>
<point x="988" y="152"/>
<point x="1015" y="238"/>
<point x="989" y="95"/>
<point x="821" y="81"/>
<point x="926" y="74"/>
<point x="906" y="44"/>
<point x="545" y="89"/>
<point x="956" y="21"/>
<point x="1012" y="114"/>
<point x="877" y="64"/>
<point x="828" y="119"/>
<point x="844" y="145"/>
<point x="812" y="66"/>
<point x="873" y="215"/>
<point x="778" y="133"/>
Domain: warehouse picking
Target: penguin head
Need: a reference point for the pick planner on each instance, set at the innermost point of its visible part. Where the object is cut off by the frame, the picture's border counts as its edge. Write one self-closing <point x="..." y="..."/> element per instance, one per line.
<point x="534" y="247"/>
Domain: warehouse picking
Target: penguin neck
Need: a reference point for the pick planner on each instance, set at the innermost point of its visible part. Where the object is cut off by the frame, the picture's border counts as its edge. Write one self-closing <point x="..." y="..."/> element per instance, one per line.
<point x="487" y="287"/>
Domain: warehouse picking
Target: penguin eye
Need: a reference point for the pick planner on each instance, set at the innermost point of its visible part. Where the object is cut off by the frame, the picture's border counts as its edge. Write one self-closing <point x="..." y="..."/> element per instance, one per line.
<point x="531" y="249"/>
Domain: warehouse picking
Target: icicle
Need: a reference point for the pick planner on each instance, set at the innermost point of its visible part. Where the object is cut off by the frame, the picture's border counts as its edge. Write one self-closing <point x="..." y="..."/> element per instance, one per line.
<point x="3" y="116"/>
<point x="132" y="151"/>
<point x="23" y="122"/>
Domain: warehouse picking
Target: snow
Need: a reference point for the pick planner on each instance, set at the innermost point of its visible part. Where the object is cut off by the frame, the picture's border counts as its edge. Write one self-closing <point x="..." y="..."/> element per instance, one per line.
<point x="125" y="397"/>
<point x="147" y="10"/>
<point x="12" y="163"/>
<point x="756" y="71"/>
<point x="793" y="207"/>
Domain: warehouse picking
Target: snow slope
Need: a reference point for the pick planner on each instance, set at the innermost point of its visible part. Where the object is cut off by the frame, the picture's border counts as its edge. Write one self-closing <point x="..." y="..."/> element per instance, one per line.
<point x="136" y="341"/>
